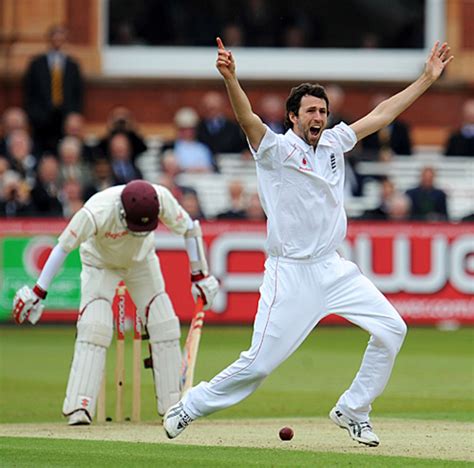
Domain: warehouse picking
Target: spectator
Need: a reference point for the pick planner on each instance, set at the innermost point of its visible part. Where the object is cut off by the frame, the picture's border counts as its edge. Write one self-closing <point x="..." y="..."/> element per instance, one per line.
<point x="272" y="112"/>
<point x="192" y="155"/>
<point x="124" y="33"/>
<point x="215" y="130"/>
<point x="22" y="159"/>
<point x="393" y="139"/>
<point x="461" y="143"/>
<point x="101" y="178"/>
<point x="169" y="171"/>
<point x="398" y="207"/>
<point x="237" y="202"/>
<point x="72" y="166"/>
<point x="394" y="206"/>
<point x="233" y="35"/>
<point x="121" y="157"/>
<point x="121" y="120"/>
<point x="15" y="199"/>
<point x="190" y="203"/>
<point x="53" y="87"/>
<point x="254" y="210"/>
<point x="370" y="41"/>
<point x="4" y="169"/>
<point x="261" y="23"/>
<point x="387" y="192"/>
<point x="169" y="164"/>
<point x="71" y="198"/>
<point x="428" y="202"/>
<point x="14" y="118"/>
<point x="74" y="127"/>
<point x="295" y="35"/>
<point x="46" y="191"/>
<point x="337" y="98"/>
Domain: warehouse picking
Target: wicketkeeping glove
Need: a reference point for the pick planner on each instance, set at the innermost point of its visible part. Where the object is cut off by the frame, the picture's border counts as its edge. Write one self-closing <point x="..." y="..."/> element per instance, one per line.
<point x="205" y="287"/>
<point x="27" y="304"/>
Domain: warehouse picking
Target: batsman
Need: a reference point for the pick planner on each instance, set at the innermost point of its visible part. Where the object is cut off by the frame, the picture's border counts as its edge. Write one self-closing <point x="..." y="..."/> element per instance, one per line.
<point x="114" y="231"/>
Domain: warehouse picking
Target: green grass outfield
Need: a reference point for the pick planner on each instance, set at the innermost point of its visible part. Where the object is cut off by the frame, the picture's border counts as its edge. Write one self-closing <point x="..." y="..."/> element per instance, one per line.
<point x="433" y="380"/>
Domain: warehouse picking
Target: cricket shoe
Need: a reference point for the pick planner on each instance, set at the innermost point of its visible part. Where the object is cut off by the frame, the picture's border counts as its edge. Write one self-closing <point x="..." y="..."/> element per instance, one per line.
<point x="79" y="418"/>
<point x="360" y="431"/>
<point x="176" y="420"/>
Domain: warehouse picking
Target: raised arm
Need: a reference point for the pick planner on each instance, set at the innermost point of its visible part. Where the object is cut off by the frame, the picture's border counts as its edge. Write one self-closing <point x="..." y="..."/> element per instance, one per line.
<point x="250" y="122"/>
<point x="391" y="108"/>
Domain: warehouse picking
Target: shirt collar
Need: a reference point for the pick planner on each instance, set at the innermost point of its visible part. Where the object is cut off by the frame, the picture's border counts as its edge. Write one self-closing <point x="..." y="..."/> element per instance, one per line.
<point x="468" y="130"/>
<point x="55" y="56"/>
<point x="295" y="139"/>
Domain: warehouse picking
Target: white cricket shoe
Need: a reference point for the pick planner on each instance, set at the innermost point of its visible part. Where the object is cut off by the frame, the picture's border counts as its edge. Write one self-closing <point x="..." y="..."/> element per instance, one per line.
<point x="176" y="420"/>
<point x="360" y="431"/>
<point x="79" y="418"/>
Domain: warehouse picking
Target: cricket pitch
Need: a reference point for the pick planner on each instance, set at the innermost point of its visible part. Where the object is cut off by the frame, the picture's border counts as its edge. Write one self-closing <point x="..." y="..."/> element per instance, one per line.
<point x="441" y="440"/>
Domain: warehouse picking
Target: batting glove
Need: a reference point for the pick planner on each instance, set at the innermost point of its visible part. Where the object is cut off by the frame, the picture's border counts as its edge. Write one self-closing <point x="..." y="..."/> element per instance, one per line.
<point x="205" y="287"/>
<point x="27" y="304"/>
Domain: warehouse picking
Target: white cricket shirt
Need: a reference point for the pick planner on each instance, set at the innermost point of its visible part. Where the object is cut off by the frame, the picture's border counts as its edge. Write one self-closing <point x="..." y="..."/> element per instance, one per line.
<point x="301" y="191"/>
<point x="104" y="240"/>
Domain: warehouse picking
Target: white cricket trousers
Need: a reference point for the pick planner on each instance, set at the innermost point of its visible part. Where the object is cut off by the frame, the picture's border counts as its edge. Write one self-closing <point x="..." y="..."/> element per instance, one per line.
<point x="294" y="297"/>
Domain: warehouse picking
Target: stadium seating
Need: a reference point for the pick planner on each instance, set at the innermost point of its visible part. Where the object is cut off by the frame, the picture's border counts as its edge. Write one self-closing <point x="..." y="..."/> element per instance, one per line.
<point x="454" y="175"/>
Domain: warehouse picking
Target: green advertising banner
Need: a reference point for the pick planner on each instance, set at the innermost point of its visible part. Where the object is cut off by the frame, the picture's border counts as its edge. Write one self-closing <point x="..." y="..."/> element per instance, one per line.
<point x="22" y="259"/>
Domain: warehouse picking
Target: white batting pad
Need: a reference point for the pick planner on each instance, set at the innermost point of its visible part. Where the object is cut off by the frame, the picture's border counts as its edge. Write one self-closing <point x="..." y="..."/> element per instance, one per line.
<point x="94" y="335"/>
<point x="164" y="331"/>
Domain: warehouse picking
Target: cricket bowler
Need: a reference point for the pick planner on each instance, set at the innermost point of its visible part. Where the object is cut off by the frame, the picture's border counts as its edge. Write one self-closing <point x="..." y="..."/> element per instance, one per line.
<point x="301" y="184"/>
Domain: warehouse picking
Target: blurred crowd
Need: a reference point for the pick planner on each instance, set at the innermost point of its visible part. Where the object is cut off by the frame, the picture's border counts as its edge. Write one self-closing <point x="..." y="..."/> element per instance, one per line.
<point x="48" y="167"/>
<point x="266" y="23"/>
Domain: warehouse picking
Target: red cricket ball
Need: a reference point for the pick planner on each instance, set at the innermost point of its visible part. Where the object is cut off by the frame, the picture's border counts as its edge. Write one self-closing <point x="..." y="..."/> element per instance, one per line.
<point x="286" y="433"/>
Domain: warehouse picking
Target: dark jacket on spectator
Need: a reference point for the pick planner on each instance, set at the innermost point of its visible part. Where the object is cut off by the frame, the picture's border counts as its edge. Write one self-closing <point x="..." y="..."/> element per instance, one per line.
<point x="222" y="136"/>
<point x="44" y="117"/>
<point x="46" y="200"/>
<point x="460" y="145"/>
<point x="400" y="142"/>
<point x="137" y="144"/>
<point x="428" y="204"/>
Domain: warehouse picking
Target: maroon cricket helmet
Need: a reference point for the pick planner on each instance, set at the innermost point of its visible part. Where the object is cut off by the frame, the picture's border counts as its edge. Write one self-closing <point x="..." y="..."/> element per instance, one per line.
<point x="141" y="206"/>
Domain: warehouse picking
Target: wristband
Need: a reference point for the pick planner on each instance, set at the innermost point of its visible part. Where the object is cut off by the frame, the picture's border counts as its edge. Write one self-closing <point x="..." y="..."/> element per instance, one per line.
<point x="195" y="277"/>
<point x="40" y="292"/>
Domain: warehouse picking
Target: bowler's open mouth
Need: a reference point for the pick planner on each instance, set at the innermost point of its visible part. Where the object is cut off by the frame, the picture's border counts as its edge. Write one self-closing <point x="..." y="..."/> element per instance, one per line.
<point x="314" y="130"/>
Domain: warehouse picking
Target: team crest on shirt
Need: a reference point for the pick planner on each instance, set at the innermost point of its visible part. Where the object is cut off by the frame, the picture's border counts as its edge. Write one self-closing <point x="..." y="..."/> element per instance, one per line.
<point x="333" y="163"/>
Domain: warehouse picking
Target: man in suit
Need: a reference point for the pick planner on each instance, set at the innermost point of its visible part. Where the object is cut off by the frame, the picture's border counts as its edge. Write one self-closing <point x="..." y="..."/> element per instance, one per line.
<point x="393" y="139"/>
<point x="461" y="142"/>
<point x="272" y="111"/>
<point x="428" y="202"/>
<point x="215" y="129"/>
<point x="120" y="153"/>
<point x="53" y="87"/>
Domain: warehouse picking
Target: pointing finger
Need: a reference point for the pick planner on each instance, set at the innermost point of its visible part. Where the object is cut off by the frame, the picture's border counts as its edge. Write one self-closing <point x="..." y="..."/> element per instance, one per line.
<point x="220" y="44"/>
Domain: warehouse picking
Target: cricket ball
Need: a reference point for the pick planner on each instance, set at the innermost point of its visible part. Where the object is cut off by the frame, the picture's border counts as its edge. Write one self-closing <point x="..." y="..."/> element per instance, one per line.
<point x="286" y="433"/>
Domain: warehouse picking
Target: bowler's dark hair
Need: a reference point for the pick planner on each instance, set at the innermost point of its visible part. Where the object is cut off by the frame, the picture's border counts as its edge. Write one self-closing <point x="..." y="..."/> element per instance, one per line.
<point x="293" y="101"/>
